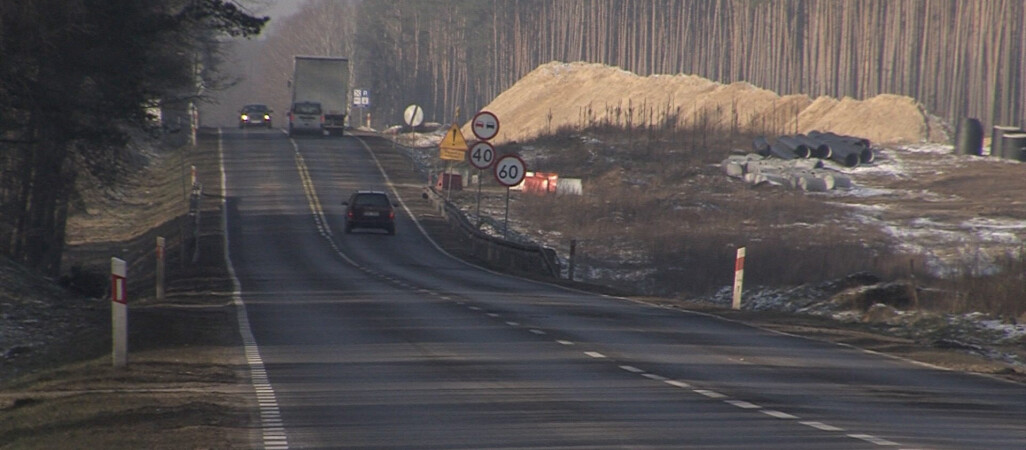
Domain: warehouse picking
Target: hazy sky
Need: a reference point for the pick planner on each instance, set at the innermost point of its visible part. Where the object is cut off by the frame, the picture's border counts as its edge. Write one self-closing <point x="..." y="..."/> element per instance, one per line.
<point x="276" y="9"/>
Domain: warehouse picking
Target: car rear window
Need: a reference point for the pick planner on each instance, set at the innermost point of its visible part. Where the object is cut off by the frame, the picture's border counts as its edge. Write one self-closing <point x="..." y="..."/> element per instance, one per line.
<point x="370" y="200"/>
<point x="308" y="109"/>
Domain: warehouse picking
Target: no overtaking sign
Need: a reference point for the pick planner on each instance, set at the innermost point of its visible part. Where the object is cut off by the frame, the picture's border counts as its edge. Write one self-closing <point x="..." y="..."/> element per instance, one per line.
<point x="485" y="125"/>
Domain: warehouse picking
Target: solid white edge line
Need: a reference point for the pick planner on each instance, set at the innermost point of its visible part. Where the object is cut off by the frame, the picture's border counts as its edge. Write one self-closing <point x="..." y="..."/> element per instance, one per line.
<point x="251" y="349"/>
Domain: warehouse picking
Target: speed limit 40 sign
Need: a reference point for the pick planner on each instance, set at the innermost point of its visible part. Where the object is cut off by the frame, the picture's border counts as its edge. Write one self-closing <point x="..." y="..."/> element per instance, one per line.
<point x="481" y="155"/>
<point x="509" y="170"/>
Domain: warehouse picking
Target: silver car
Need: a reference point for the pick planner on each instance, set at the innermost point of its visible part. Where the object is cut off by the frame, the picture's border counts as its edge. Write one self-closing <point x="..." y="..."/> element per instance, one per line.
<point x="306" y="117"/>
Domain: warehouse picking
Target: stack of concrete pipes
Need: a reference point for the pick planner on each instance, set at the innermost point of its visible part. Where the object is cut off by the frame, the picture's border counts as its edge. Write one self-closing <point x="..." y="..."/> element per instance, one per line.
<point x="1008" y="142"/>
<point x="848" y="151"/>
<point x="798" y="173"/>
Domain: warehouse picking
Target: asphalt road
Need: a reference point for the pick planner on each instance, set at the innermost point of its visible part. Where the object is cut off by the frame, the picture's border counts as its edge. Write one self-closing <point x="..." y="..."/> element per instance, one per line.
<point x="369" y="340"/>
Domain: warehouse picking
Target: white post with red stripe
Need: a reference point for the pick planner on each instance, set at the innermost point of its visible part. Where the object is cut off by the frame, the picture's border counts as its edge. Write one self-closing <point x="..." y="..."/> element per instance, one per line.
<point x="119" y="311"/>
<point x="739" y="275"/>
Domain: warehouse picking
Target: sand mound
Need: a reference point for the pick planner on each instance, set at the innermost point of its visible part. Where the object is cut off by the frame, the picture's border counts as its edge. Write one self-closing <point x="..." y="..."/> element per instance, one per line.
<point x="576" y="95"/>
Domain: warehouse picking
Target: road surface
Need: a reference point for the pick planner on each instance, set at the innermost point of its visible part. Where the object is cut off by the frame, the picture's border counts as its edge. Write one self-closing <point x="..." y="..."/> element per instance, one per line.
<point x="369" y="340"/>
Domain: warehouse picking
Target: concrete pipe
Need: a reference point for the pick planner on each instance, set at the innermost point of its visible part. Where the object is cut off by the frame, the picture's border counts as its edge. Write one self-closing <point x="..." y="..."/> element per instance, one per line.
<point x="819" y="148"/>
<point x="826" y="135"/>
<point x="1012" y="145"/>
<point x="733" y="168"/>
<point x="781" y="151"/>
<point x="841" y="182"/>
<point x="809" y="183"/>
<point x="996" y="135"/>
<point x="761" y="146"/>
<point x="800" y="150"/>
<point x="867" y="156"/>
<point x="847" y="156"/>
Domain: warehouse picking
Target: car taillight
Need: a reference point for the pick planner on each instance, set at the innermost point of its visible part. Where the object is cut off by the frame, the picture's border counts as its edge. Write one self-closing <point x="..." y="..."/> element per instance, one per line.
<point x="349" y="214"/>
<point x="391" y="214"/>
<point x="322" y="118"/>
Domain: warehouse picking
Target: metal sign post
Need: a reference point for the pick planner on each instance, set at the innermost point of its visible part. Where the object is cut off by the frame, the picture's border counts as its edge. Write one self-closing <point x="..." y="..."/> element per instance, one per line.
<point x="509" y="171"/>
<point x="452" y="148"/>
<point x="481" y="156"/>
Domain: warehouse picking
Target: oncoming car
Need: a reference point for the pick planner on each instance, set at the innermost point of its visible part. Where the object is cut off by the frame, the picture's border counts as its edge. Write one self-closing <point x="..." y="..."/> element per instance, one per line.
<point x="369" y="209"/>
<point x="255" y="115"/>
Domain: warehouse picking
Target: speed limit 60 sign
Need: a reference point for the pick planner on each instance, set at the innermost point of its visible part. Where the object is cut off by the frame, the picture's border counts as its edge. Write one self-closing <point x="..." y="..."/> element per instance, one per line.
<point x="509" y="170"/>
<point x="481" y="155"/>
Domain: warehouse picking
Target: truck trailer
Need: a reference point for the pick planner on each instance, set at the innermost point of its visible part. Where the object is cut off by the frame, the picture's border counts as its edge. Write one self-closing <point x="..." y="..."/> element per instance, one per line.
<point x="320" y="89"/>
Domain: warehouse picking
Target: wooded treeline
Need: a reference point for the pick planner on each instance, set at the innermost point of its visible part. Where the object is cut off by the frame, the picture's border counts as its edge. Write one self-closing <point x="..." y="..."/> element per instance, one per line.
<point x="958" y="58"/>
<point x="76" y="76"/>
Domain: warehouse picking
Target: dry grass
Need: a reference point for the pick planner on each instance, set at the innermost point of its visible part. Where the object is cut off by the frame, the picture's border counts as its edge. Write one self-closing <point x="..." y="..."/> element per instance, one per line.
<point x="656" y="202"/>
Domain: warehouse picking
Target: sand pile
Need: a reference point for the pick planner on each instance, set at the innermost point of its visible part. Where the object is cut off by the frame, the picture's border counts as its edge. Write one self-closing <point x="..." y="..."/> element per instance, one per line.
<point x="576" y="95"/>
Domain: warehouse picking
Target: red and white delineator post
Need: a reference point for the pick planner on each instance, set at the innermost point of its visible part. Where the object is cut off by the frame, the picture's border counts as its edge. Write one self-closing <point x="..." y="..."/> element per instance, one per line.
<point x="739" y="275"/>
<point x="119" y="311"/>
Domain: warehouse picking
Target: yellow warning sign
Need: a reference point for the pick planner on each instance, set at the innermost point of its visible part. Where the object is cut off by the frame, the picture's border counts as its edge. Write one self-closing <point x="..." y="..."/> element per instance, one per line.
<point x="453" y="145"/>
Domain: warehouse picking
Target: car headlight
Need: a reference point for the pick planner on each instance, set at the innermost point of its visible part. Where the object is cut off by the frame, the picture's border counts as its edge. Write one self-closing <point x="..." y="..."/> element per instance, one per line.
<point x="245" y="117"/>
<point x="267" y="117"/>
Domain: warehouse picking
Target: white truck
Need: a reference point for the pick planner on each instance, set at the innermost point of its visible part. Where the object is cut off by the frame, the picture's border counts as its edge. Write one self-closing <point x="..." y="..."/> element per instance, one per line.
<point x="320" y="89"/>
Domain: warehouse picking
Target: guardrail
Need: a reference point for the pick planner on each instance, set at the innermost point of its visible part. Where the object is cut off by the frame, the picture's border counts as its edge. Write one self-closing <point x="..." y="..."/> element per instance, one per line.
<point x="529" y="258"/>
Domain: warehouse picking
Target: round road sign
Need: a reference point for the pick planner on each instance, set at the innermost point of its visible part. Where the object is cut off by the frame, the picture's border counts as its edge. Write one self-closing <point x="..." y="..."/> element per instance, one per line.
<point x="510" y="170"/>
<point x="413" y="116"/>
<point x="485" y="125"/>
<point x="481" y="155"/>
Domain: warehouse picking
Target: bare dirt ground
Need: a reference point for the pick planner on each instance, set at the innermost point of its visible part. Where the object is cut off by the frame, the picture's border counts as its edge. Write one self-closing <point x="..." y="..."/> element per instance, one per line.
<point x="187" y="384"/>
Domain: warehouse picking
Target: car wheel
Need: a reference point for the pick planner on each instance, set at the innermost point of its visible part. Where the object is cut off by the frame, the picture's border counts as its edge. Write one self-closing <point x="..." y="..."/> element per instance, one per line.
<point x="348" y="228"/>
<point x="391" y="230"/>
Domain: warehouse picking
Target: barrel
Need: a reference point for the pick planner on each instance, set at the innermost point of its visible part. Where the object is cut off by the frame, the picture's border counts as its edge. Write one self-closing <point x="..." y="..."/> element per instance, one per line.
<point x="761" y="146"/>
<point x="969" y="137"/>
<point x="1013" y="145"/>
<point x="996" y="137"/>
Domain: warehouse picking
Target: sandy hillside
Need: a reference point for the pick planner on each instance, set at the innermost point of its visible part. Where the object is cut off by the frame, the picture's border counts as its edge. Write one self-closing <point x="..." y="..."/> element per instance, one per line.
<point x="578" y="94"/>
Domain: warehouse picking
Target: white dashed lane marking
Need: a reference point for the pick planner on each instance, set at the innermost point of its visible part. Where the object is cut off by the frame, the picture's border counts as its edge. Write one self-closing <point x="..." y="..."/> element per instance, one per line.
<point x="874" y="440"/>
<point x="743" y="404"/>
<point x="595" y="355"/>
<point x="710" y="394"/>
<point x="777" y="414"/>
<point x="821" y="426"/>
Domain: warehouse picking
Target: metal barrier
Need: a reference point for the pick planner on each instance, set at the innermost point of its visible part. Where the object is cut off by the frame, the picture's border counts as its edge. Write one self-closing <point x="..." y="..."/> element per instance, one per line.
<point x="530" y="258"/>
